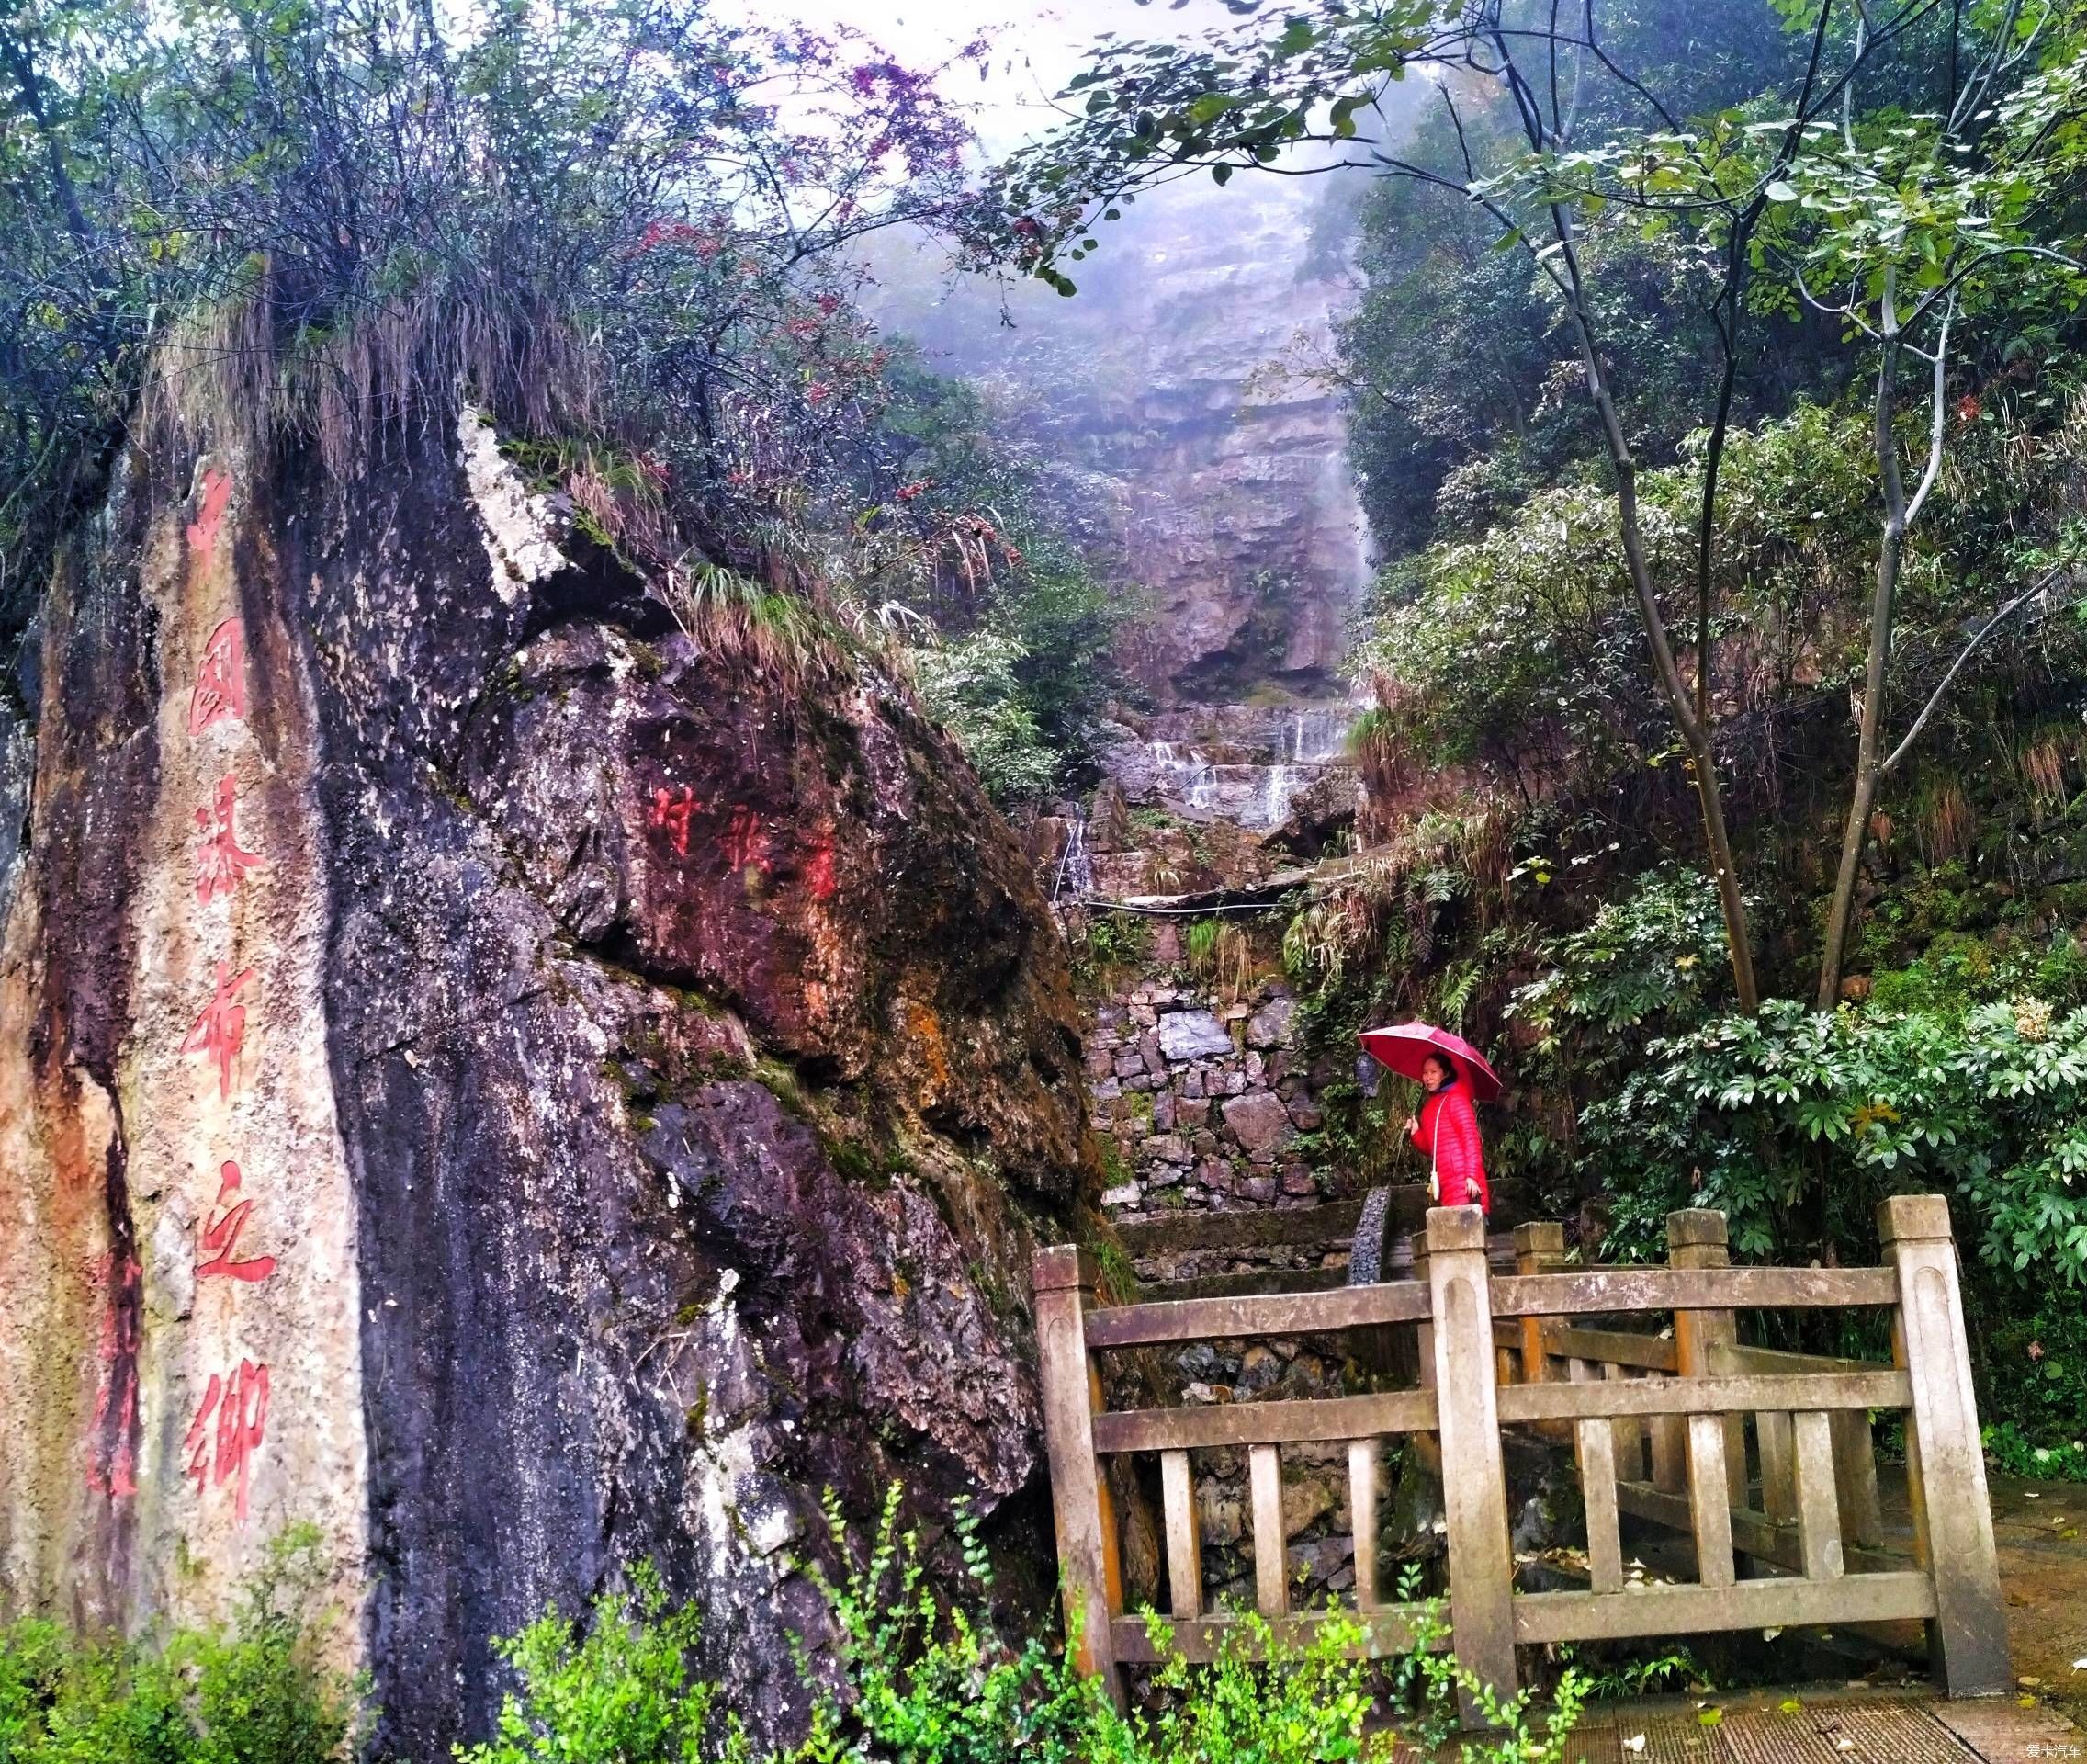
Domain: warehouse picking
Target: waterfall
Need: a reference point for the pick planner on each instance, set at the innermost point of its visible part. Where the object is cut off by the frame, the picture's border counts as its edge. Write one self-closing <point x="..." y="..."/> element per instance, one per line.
<point x="1076" y="863"/>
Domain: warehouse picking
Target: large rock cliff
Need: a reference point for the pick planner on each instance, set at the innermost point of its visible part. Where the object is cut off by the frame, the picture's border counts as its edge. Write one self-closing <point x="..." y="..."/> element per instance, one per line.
<point x="494" y="1077"/>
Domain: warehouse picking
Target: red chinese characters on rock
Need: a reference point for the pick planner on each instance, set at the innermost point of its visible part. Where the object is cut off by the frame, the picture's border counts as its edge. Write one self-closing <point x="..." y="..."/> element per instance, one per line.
<point x="818" y="868"/>
<point x="221" y="682"/>
<point x="221" y="1226"/>
<point x="221" y="1031"/>
<point x="238" y="1403"/>
<point x="672" y="809"/>
<point x="210" y="516"/>
<point x="745" y="843"/>
<point x="219" y="860"/>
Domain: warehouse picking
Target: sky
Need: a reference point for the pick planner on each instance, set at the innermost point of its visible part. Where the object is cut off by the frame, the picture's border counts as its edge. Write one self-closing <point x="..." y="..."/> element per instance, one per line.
<point x="1038" y="45"/>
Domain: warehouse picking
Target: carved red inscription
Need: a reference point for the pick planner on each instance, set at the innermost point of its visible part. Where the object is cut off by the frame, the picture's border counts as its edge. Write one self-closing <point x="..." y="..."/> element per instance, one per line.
<point x="203" y="529"/>
<point x="220" y="681"/>
<point x="671" y="809"/>
<point x="745" y="843"/>
<point x="221" y="1226"/>
<point x="221" y="1029"/>
<point x="220" y="861"/>
<point x="239" y="1401"/>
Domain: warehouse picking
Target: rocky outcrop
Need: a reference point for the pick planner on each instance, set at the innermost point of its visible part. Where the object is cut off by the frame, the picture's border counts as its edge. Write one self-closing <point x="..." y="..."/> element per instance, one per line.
<point x="487" y="1074"/>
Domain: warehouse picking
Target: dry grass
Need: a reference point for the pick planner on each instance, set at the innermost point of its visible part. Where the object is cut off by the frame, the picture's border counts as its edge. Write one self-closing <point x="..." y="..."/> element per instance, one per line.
<point x="1947" y="823"/>
<point x="2044" y="765"/>
<point x="241" y="373"/>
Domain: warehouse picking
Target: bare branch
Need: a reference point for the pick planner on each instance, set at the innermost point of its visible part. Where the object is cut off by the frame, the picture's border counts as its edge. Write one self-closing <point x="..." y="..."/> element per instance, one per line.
<point x="1935" y="415"/>
<point x="1964" y="655"/>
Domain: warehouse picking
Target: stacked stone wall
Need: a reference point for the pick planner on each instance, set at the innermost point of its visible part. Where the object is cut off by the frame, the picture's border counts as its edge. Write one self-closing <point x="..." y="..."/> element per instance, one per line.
<point x="1209" y="1103"/>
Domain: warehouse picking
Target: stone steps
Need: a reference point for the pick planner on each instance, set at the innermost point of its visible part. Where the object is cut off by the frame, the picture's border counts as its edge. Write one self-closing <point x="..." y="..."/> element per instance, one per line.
<point x="1170" y="1252"/>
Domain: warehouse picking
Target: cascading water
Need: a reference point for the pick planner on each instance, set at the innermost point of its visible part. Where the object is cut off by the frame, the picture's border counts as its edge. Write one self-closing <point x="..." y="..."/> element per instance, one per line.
<point x="1074" y="878"/>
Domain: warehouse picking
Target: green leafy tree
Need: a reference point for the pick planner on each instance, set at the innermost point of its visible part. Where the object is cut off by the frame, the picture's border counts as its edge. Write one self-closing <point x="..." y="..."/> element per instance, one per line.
<point x="1710" y="174"/>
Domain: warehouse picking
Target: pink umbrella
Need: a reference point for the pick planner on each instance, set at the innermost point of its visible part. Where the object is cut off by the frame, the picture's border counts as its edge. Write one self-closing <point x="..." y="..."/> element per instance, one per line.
<point x="1403" y="1045"/>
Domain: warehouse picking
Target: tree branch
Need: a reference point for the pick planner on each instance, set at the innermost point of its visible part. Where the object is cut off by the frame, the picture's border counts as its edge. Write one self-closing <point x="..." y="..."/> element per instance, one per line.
<point x="1949" y="679"/>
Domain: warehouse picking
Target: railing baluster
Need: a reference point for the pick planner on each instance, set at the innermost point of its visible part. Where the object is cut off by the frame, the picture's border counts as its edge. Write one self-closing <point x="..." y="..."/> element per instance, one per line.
<point x="1710" y="1497"/>
<point x="1946" y="1467"/>
<point x="1362" y="1482"/>
<point x="1628" y="1436"/>
<point x="1184" y="1537"/>
<point x="1818" y="1508"/>
<point x="1779" y="1484"/>
<point x="1596" y="1444"/>
<point x="1855" y="1476"/>
<point x="1670" y="1455"/>
<point x="1271" y="1548"/>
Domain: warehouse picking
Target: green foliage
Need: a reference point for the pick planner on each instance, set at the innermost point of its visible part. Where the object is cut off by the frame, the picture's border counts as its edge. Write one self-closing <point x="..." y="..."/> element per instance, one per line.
<point x="1110" y="940"/>
<point x="1619" y="1680"/>
<point x="1796" y="1123"/>
<point x="1655" y="956"/>
<point x="258" y="1694"/>
<point x="620" y="1694"/>
<point x="922" y="1680"/>
<point x="2010" y="1448"/>
<point x="969" y="687"/>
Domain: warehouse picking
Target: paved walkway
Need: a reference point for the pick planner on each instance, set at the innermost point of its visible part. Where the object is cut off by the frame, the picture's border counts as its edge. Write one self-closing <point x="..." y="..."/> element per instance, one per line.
<point x="2041" y="1529"/>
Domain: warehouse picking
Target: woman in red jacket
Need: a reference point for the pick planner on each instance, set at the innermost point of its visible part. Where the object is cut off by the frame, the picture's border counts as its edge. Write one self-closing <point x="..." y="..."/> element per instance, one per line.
<point x="1447" y="1133"/>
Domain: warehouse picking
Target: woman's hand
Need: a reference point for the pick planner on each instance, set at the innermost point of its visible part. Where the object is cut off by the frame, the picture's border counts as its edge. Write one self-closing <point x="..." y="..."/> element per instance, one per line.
<point x="1412" y="1123"/>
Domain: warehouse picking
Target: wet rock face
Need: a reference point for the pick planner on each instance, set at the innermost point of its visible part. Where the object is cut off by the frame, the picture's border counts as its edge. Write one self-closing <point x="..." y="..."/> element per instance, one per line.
<point x="653" y="1076"/>
<point x="1192" y="449"/>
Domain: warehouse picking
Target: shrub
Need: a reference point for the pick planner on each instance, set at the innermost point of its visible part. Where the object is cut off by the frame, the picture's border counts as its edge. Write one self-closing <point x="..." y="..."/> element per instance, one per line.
<point x="1796" y="1123"/>
<point x="620" y="1694"/>
<point x="258" y="1694"/>
<point x="969" y="687"/>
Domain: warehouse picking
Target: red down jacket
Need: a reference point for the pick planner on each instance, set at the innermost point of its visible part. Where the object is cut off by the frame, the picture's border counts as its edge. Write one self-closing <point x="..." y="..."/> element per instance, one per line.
<point x="1446" y="1134"/>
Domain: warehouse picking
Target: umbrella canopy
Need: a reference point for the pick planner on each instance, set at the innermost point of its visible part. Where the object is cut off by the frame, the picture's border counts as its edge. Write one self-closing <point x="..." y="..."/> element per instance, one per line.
<point x="1403" y="1045"/>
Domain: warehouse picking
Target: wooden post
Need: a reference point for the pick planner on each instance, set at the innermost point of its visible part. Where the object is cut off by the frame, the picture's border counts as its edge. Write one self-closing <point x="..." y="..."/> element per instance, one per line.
<point x="1696" y="1238"/>
<point x="1090" y="1577"/>
<point x="1424" y="1446"/>
<point x="1474" y="1477"/>
<point x="1362" y="1485"/>
<point x="1945" y="1463"/>
<point x="1536" y="1243"/>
